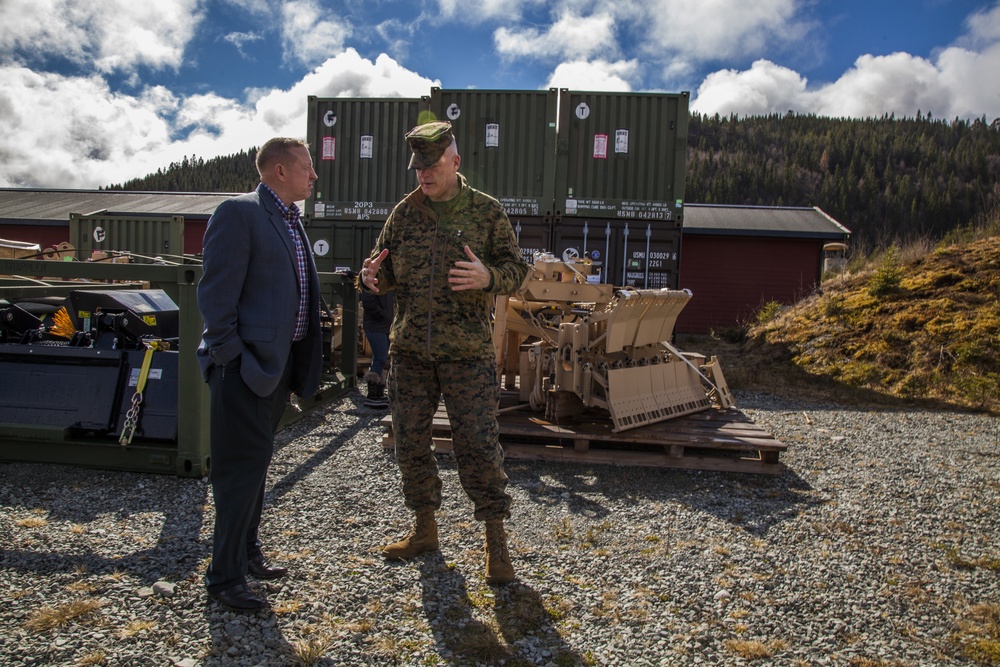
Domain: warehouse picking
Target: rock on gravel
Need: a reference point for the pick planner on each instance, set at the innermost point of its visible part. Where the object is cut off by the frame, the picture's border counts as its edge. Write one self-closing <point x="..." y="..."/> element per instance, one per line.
<point x="877" y="546"/>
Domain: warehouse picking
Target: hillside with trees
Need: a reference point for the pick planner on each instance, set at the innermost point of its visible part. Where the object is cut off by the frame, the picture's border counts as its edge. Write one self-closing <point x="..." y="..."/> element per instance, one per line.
<point x="888" y="180"/>
<point x="227" y="173"/>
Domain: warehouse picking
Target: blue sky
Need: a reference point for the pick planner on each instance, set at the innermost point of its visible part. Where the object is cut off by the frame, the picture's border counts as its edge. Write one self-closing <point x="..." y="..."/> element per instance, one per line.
<point x="94" y="92"/>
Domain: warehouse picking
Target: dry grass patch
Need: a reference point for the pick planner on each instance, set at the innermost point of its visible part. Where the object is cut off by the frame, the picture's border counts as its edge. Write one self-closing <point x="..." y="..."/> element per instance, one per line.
<point x="755" y="650"/>
<point x="32" y="522"/>
<point x="81" y="587"/>
<point x="136" y="627"/>
<point x="94" y="659"/>
<point x="479" y="644"/>
<point x="985" y="562"/>
<point x="307" y="651"/>
<point x="978" y="634"/>
<point x="286" y="606"/>
<point x="48" y="618"/>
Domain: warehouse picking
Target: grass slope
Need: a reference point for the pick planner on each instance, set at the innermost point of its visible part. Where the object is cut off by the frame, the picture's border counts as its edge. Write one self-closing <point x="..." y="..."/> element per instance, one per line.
<point x="925" y="330"/>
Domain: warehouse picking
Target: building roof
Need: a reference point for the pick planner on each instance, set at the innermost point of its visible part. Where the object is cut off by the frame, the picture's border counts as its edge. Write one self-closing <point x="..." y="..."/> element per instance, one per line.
<point x="41" y="206"/>
<point x="55" y="206"/>
<point x="775" y="221"/>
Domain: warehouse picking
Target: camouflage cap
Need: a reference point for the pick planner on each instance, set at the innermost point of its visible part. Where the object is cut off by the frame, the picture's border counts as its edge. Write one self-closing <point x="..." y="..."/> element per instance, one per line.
<point x="428" y="143"/>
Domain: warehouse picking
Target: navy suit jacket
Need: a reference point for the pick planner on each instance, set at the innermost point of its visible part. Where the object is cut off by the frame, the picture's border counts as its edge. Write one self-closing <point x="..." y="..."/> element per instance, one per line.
<point x="249" y="294"/>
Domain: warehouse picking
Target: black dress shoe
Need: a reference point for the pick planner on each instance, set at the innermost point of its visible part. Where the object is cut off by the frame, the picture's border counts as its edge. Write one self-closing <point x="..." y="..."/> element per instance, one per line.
<point x="239" y="598"/>
<point x="261" y="569"/>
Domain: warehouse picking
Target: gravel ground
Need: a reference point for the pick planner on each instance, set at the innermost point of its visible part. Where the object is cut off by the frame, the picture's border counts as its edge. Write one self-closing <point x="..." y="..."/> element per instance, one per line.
<point x="879" y="545"/>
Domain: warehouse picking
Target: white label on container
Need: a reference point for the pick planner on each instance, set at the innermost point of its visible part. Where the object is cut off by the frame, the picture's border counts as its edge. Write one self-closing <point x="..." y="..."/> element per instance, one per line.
<point x="329" y="148"/>
<point x="453" y="111"/>
<point x="582" y="111"/>
<point x="151" y="374"/>
<point x="329" y="119"/>
<point x="367" y="144"/>
<point x="492" y="134"/>
<point x="600" y="146"/>
<point x="99" y="234"/>
<point x="321" y="247"/>
<point x="621" y="141"/>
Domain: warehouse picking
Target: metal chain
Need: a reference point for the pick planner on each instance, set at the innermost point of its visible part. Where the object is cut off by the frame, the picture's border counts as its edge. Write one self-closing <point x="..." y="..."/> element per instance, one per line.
<point x="131" y="419"/>
<point x="132" y="416"/>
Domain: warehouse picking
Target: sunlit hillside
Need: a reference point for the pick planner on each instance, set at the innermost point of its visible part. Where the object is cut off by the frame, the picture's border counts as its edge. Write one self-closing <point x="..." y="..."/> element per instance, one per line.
<point x="922" y="330"/>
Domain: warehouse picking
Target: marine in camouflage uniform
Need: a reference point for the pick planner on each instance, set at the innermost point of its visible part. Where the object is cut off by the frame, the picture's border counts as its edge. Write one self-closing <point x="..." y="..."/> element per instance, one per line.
<point x="447" y="250"/>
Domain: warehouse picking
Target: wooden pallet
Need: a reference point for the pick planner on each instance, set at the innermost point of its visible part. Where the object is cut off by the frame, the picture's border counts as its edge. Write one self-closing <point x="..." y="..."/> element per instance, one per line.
<point x="710" y="440"/>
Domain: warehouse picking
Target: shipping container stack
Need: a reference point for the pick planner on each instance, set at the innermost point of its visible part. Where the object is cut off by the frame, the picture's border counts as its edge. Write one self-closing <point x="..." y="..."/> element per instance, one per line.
<point x="592" y="175"/>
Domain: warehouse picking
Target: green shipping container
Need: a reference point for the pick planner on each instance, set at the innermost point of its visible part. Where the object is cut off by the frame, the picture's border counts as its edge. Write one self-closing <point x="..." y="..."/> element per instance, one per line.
<point x="360" y="155"/>
<point x="507" y="142"/>
<point x="622" y="155"/>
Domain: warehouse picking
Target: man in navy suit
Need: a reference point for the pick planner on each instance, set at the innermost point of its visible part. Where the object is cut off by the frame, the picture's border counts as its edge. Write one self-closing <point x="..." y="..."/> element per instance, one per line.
<point x="259" y="298"/>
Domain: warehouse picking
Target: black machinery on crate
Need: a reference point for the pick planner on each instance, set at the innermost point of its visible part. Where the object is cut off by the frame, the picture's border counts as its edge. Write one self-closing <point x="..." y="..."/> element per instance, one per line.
<point x="103" y="365"/>
<point x="99" y="366"/>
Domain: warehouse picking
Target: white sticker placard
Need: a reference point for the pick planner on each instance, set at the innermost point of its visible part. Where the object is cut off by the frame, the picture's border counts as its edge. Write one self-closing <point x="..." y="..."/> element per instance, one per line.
<point x="492" y="135"/>
<point x="321" y="247"/>
<point x="367" y="146"/>
<point x="453" y="111"/>
<point x="621" y="141"/>
<point x="582" y="111"/>
<point x="100" y="234"/>
<point x="329" y="119"/>
<point x="329" y="148"/>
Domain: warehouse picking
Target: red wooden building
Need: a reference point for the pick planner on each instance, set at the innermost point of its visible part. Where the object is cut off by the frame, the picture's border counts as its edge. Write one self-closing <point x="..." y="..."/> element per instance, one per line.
<point x="734" y="259"/>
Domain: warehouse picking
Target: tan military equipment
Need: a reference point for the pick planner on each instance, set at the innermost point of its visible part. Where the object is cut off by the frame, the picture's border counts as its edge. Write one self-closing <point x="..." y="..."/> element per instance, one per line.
<point x="583" y="344"/>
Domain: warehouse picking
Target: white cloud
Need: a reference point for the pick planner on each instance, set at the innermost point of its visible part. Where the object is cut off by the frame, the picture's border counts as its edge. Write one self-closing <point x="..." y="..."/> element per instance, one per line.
<point x="572" y="36"/>
<point x="307" y="37"/>
<point x="346" y="75"/>
<point x="74" y="132"/>
<point x="477" y="11"/>
<point x="111" y="35"/>
<point x="597" y="75"/>
<point x="984" y="27"/>
<point x="696" y="31"/>
<point x="764" y="88"/>
<point x="960" y="83"/>
<point x="241" y="39"/>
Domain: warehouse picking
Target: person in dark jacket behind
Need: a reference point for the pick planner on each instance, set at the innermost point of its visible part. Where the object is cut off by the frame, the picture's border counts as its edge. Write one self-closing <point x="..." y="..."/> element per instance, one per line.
<point x="377" y="321"/>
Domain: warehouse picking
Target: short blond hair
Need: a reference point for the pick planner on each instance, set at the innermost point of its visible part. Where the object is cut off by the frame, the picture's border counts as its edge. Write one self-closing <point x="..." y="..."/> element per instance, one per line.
<point x="275" y="150"/>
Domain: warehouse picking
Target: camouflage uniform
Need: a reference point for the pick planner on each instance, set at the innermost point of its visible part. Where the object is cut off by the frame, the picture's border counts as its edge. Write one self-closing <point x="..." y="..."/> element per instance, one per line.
<point x="441" y="342"/>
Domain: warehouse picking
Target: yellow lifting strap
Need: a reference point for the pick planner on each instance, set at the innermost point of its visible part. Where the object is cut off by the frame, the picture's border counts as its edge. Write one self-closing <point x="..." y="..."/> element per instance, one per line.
<point x="132" y="416"/>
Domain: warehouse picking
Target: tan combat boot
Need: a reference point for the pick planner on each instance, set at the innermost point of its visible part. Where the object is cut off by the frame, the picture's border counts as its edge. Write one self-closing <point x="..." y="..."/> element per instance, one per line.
<point x="499" y="569"/>
<point x="423" y="537"/>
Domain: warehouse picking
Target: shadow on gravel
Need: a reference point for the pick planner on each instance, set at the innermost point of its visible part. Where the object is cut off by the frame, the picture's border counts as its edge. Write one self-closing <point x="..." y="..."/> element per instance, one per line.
<point x="754" y="502"/>
<point x="338" y="437"/>
<point x="230" y="635"/>
<point x="521" y="626"/>
<point x="175" y="554"/>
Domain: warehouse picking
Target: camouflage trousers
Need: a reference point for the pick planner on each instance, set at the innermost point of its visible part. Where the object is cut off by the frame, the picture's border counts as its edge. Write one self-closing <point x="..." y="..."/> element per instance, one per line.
<point x="471" y="396"/>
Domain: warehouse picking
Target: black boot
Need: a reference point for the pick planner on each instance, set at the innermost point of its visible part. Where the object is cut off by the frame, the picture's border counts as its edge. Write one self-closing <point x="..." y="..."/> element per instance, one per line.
<point x="376" y="396"/>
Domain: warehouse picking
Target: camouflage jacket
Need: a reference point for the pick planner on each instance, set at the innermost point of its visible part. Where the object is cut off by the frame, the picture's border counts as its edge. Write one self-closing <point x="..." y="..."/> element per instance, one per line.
<point x="432" y="321"/>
